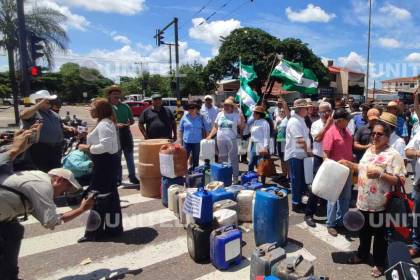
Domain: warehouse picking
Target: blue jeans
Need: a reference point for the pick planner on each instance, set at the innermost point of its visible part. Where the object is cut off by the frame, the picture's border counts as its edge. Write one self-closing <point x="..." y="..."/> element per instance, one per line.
<point x="193" y="148"/>
<point x="297" y="179"/>
<point x="416" y="229"/>
<point x="253" y="158"/>
<point x="337" y="210"/>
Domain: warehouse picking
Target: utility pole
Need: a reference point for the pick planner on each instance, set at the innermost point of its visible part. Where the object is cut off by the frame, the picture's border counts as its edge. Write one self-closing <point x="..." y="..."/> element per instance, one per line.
<point x="23" y="53"/>
<point x="170" y="58"/>
<point x="368" y="54"/>
<point x="159" y="41"/>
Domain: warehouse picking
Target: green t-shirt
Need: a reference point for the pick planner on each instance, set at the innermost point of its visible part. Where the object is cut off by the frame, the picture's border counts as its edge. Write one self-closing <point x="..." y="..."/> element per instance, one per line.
<point x="123" y="113"/>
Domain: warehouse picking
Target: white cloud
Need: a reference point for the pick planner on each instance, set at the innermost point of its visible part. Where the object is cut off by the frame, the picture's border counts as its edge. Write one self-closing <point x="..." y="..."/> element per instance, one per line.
<point x="395" y="12"/>
<point x="73" y="20"/>
<point x="312" y="13"/>
<point x="125" y="7"/>
<point x="389" y="43"/>
<point x="413" y="57"/>
<point x="353" y="61"/>
<point x="121" y="39"/>
<point x="210" y="32"/>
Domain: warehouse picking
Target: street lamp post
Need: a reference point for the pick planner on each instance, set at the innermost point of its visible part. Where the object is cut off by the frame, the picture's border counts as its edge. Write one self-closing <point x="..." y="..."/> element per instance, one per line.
<point x="368" y="53"/>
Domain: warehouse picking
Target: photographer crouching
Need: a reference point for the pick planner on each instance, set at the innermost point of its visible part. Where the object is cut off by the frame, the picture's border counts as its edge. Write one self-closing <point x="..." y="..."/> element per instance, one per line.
<point x="29" y="192"/>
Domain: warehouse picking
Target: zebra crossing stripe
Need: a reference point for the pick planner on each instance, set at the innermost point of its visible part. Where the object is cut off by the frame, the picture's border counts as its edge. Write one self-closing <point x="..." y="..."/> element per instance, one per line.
<point x="125" y="201"/>
<point x="123" y="264"/>
<point x="239" y="272"/>
<point x="56" y="240"/>
<point x="321" y="232"/>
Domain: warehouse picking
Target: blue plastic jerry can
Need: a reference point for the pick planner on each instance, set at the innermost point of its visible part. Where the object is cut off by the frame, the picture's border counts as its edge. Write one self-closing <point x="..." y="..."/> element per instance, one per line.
<point x="166" y="183"/>
<point x="226" y="247"/>
<point x="205" y="205"/>
<point x="249" y="176"/>
<point x="195" y="180"/>
<point x="221" y="172"/>
<point x="253" y="186"/>
<point x="221" y="194"/>
<point x="271" y="216"/>
<point x="235" y="189"/>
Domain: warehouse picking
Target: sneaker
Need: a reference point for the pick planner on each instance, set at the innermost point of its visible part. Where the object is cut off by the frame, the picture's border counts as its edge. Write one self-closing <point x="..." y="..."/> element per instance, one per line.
<point x="310" y="221"/>
<point x="134" y="181"/>
<point x="332" y="231"/>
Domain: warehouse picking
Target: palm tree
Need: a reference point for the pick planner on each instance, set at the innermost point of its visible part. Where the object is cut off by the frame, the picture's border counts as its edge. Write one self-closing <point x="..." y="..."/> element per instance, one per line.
<point x="45" y="23"/>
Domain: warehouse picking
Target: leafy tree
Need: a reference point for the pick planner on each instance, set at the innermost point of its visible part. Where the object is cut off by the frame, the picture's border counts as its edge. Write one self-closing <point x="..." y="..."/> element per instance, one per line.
<point x="43" y="22"/>
<point x="5" y="87"/>
<point x="258" y="48"/>
<point x="195" y="80"/>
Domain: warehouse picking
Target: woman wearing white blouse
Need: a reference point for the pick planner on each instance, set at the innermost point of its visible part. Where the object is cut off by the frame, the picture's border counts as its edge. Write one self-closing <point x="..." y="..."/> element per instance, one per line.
<point x="102" y="144"/>
<point x="260" y="137"/>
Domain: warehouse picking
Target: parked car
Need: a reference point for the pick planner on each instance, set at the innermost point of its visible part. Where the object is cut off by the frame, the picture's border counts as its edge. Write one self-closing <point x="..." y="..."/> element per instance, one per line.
<point x="137" y="107"/>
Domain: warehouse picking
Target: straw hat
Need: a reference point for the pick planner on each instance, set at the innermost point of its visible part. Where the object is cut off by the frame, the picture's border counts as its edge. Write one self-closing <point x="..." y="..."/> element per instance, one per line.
<point x="392" y="104"/>
<point x="373" y="114"/>
<point x="259" y="109"/>
<point x="113" y="88"/>
<point x="229" y="101"/>
<point x="300" y="103"/>
<point x="388" y="118"/>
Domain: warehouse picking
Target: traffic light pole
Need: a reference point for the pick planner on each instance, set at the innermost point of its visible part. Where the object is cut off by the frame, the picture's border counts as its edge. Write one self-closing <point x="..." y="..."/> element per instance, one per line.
<point x="23" y="52"/>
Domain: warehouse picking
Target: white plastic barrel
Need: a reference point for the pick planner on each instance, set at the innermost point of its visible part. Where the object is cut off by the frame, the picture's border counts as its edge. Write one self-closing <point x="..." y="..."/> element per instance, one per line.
<point x="308" y="167"/>
<point x="207" y="150"/>
<point x="330" y="180"/>
<point x="226" y="217"/>
<point x="244" y="199"/>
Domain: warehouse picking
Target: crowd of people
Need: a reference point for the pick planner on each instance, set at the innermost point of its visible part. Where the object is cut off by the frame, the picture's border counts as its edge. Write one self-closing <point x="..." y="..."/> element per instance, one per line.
<point x="376" y="143"/>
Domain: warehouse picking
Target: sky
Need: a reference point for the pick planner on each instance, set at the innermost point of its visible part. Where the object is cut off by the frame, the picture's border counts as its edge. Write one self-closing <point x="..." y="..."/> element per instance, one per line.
<point x="116" y="37"/>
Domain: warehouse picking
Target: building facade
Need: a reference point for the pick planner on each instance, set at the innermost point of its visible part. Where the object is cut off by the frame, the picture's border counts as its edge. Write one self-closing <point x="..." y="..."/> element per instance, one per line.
<point x="408" y="84"/>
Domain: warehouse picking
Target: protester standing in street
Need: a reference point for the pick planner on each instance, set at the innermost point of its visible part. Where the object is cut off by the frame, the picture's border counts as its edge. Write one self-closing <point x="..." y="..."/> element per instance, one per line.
<point x="124" y="121"/>
<point x="102" y="144"/>
<point x="395" y="141"/>
<point x="260" y="138"/>
<point x="227" y="126"/>
<point x="361" y="119"/>
<point x="192" y="129"/>
<point x="297" y="148"/>
<point x="380" y="168"/>
<point x="46" y="154"/>
<point x="363" y="136"/>
<point x="208" y="111"/>
<point x="159" y="121"/>
<point x="281" y="117"/>
<point x="318" y="130"/>
<point x="401" y="129"/>
<point x="338" y="145"/>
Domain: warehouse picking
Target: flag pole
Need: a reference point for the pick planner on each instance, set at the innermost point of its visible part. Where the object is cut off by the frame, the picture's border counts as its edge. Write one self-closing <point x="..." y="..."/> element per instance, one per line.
<point x="269" y="77"/>
<point x="240" y="71"/>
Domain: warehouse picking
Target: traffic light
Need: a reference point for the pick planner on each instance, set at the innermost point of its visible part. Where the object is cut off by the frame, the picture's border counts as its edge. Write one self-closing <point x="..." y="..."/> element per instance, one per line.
<point x="35" y="71"/>
<point x="36" y="47"/>
<point x="159" y="38"/>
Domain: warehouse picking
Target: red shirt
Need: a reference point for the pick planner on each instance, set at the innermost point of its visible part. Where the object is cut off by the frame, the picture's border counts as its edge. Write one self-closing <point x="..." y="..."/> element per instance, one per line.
<point x="338" y="145"/>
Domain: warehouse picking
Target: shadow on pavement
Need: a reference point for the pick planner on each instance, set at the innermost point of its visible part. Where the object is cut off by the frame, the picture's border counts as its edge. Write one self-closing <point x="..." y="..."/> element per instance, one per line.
<point x="136" y="236"/>
<point x="115" y="274"/>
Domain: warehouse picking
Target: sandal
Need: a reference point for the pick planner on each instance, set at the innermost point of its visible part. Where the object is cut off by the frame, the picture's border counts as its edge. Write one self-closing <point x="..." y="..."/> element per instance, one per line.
<point x="377" y="272"/>
<point x="355" y="259"/>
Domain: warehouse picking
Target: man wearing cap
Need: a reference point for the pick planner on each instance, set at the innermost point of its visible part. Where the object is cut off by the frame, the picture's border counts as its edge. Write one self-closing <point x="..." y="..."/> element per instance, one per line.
<point x="31" y="192"/>
<point x="363" y="136"/>
<point x="401" y="129"/>
<point x="338" y="145"/>
<point x="46" y="154"/>
<point x="208" y="111"/>
<point x="297" y="148"/>
<point x="124" y="121"/>
<point x="159" y="121"/>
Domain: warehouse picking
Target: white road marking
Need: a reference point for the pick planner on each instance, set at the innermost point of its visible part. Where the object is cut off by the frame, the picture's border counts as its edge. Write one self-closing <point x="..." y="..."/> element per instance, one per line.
<point x="108" y="267"/>
<point x="56" y="240"/>
<point x="125" y="201"/>
<point x="321" y="232"/>
<point x="293" y="250"/>
<point x="238" y="272"/>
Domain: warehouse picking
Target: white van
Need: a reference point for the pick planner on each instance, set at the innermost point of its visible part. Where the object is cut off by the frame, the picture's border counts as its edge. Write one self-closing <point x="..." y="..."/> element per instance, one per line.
<point x="170" y="103"/>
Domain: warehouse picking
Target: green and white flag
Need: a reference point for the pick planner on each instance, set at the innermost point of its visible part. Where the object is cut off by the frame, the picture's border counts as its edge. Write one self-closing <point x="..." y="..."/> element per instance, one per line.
<point x="295" y="77"/>
<point x="245" y="95"/>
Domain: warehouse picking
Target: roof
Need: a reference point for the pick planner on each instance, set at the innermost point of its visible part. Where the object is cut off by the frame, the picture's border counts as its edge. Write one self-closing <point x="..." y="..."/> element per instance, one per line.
<point x="337" y="70"/>
<point x="401" y="80"/>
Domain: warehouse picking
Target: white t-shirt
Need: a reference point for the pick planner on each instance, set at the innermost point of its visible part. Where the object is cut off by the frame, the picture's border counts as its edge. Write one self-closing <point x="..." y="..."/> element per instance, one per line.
<point x="227" y="125"/>
<point x="415" y="144"/>
<point x="398" y="144"/>
<point x="103" y="138"/>
<point x="260" y="134"/>
<point x="316" y="128"/>
<point x="296" y="128"/>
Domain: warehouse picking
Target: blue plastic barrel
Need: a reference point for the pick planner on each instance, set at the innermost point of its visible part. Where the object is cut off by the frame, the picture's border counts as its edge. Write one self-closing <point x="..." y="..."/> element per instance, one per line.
<point x="221" y="194"/>
<point x="249" y="176"/>
<point x="271" y="216"/>
<point x="206" y="217"/>
<point x="221" y="172"/>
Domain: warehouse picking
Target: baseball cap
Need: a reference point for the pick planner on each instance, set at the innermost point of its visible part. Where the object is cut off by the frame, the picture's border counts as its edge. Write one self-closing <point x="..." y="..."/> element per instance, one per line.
<point x="208" y="97"/>
<point x="156" y="96"/>
<point x="68" y="175"/>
